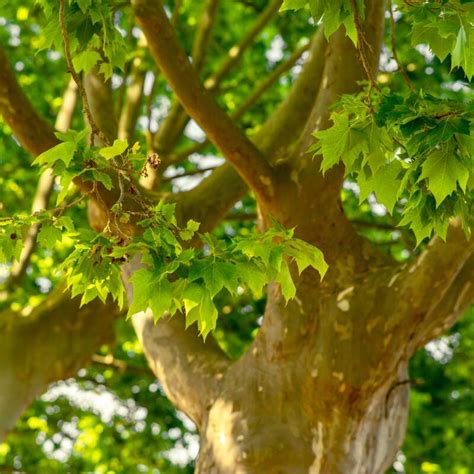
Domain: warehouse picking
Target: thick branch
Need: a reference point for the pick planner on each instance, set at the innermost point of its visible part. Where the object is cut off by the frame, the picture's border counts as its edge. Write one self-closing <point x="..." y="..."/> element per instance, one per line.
<point x="276" y="134"/>
<point x="174" y="124"/>
<point x="32" y="131"/>
<point x="454" y="303"/>
<point x="187" y="367"/>
<point x="200" y="105"/>
<point x="249" y="102"/>
<point x="437" y="286"/>
<point x="285" y="125"/>
<point x="51" y="344"/>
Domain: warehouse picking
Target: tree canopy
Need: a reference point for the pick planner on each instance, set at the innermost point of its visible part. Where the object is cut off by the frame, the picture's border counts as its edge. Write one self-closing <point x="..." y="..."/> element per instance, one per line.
<point x="147" y="149"/>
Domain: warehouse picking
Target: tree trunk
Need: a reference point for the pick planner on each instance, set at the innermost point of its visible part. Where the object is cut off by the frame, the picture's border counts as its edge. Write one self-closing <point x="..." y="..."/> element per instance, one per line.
<point x="322" y="400"/>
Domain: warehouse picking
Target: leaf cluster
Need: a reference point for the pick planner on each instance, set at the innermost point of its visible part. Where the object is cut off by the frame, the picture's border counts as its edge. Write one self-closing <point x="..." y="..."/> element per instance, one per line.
<point x="96" y="42"/>
<point x="412" y="148"/>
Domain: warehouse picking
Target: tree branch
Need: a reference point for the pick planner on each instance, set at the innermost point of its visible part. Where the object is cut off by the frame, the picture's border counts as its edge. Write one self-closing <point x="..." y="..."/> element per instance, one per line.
<point x="101" y="104"/>
<point x="455" y="302"/>
<point x="248" y="103"/>
<point x="174" y="124"/>
<point x="436" y="287"/>
<point x="172" y="127"/>
<point x="236" y="52"/>
<point x="187" y="367"/>
<point x="32" y="131"/>
<point x="234" y="145"/>
<point x="276" y="135"/>
<point x="133" y="101"/>
<point x="45" y="187"/>
<point x="50" y="344"/>
<point x="285" y="125"/>
<point x="274" y="75"/>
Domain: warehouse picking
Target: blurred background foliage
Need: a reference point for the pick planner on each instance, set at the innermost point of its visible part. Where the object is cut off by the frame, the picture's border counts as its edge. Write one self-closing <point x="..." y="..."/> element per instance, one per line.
<point x="113" y="416"/>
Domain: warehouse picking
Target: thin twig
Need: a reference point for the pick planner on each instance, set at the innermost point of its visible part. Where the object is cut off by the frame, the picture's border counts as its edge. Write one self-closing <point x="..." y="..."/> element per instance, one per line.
<point x="188" y="173"/>
<point x="394" y="49"/>
<point x="95" y="131"/>
<point x="362" y="45"/>
<point x="122" y="366"/>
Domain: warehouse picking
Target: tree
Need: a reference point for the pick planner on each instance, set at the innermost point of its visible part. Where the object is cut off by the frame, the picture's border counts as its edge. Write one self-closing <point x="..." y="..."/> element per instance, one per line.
<point x="323" y="384"/>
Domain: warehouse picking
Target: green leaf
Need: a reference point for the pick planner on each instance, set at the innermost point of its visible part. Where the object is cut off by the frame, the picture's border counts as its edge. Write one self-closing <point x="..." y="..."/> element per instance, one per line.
<point x="10" y="245"/>
<point x="86" y="61"/>
<point x="253" y="248"/>
<point x="385" y="184"/>
<point x="49" y="235"/>
<point x="63" y="151"/>
<point x="288" y="288"/>
<point x="116" y="149"/>
<point x="334" y="141"/>
<point x="216" y="275"/>
<point x="89" y="294"/>
<point x="84" y="5"/>
<point x="66" y="180"/>
<point x="66" y="222"/>
<point x="253" y="276"/>
<point x="161" y="298"/>
<point x="103" y="178"/>
<point x="191" y="228"/>
<point x="142" y="284"/>
<point x="107" y="70"/>
<point x="306" y="255"/>
<point x="444" y="172"/>
<point x="463" y="52"/>
<point x="199" y="307"/>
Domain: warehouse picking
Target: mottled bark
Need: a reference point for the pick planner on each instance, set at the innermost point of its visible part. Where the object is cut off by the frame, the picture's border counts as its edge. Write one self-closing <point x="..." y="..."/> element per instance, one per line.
<point x="325" y="398"/>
